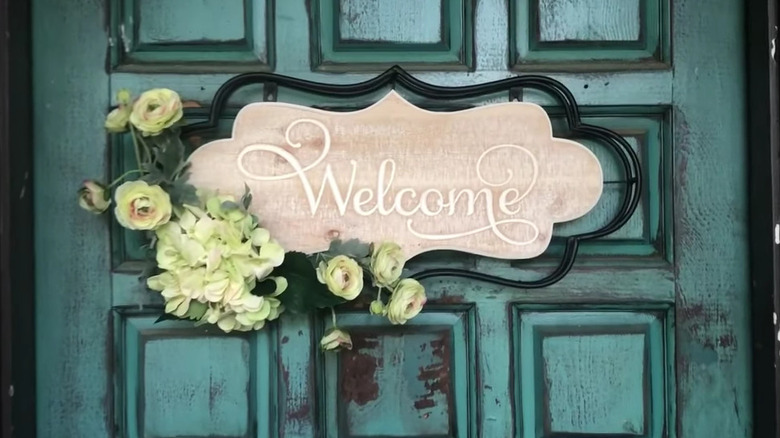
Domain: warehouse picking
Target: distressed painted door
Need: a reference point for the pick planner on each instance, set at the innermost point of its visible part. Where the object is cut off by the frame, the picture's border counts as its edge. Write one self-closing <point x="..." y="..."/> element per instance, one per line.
<point x="647" y="336"/>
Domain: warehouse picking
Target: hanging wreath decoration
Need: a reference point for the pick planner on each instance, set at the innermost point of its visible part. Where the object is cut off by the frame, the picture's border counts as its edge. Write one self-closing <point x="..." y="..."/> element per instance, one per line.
<point x="211" y="259"/>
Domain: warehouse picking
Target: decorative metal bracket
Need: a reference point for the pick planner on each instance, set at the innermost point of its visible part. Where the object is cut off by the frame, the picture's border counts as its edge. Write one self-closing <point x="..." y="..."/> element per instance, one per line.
<point x="397" y="76"/>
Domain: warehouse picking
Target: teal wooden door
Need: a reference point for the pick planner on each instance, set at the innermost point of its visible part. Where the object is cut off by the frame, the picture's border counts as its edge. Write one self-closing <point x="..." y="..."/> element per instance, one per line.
<point x="646" y="337"/>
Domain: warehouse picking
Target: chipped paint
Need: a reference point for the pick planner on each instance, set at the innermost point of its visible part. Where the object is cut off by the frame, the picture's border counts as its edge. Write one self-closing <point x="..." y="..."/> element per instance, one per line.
<point x="436" y="376"/>
<point x="358" y="371"/>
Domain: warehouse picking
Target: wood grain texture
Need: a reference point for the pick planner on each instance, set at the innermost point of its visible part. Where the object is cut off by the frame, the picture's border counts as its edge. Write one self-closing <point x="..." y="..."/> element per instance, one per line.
<point x="193" y="373"/>
<point x="395" y="172"/>
<point x="298" y="406"/>
<point x="591" y="89"/>
<point x="707" y="281"/>
<point x="73" y="289"/>
<point x="589" y="36"/>
<point x="592" y="371"/>
<point x="711" y="221"/>
<point x="400" y="21"/>
<point x="367" y="35"/>
<point x="647" y="233"/>
<point x="595" y="383"/>
<point x="421" y="375"/>
<point x="173" y="379"/>
<point x="180" y="36"/>
<point x="167" y="21"/>
<point x="589" y="20"/>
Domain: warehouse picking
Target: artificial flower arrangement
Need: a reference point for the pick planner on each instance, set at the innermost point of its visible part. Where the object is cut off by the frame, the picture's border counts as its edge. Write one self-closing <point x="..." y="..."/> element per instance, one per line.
<point x="211" y="260"/>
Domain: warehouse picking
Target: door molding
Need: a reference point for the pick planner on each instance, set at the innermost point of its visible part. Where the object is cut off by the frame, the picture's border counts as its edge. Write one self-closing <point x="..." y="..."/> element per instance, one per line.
<point x="17" y="317"/>
<point x="764" y="199"/>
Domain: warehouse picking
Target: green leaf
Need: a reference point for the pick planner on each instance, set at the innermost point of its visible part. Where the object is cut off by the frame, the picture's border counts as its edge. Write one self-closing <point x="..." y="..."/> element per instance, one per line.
<point x="182" y="193"/>
<point x="246" y="199"/>
<point x="352" y="248"/>
<point x="196" y="310"/>
<point x="265" y="287"/>
<point x="304" y="292"/>
<point x="154" y="175"/>
<point x="169" y="155"/>
<point x="230" y="205"/>
<point x="167" y="317"/>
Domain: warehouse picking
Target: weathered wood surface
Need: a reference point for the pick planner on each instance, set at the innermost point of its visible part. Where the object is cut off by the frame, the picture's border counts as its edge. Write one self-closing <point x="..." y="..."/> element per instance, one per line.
<point x="490" y="180"/>
<point x="707" y="389"/>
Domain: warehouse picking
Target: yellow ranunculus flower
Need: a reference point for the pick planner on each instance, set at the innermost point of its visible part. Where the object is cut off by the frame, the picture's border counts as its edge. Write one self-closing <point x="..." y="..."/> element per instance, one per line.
<point x="140" y="206"/>
<point x="92" y="197"/>
<point x="387" y="262"/>
<point x="116" y="120"/>
<point x="343" y="276"/>
<point x="156" y="110"/>
<point x="406" y="301"/>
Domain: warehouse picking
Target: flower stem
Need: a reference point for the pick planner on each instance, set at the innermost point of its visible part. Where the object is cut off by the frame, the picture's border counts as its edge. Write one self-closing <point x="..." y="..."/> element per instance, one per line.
<point x="136" y="149"/>
<point x="333" y="314"/>
<point x="147" y="150"/>
<point x="123" y="176"/>
<point x="379" y="293"/>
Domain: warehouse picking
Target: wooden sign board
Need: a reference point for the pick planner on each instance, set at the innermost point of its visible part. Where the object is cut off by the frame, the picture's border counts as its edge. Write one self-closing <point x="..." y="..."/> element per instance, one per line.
<point x="490" y="180"/>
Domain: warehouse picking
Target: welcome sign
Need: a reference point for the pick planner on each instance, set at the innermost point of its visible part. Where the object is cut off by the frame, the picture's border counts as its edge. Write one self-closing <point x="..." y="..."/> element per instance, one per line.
<point x="490" y="180"/>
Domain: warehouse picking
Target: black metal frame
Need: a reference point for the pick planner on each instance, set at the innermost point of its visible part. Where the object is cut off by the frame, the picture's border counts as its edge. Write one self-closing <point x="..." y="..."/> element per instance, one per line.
<point x="397" y="76"/>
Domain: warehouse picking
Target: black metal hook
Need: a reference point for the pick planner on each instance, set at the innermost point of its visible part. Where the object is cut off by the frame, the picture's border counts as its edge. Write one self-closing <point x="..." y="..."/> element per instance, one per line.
<point x="397" y="76"/>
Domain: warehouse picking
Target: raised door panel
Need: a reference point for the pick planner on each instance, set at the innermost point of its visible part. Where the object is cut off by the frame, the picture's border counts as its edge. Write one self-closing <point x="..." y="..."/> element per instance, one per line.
<point x="179" y="35"/>
<point x="590" y="35"/>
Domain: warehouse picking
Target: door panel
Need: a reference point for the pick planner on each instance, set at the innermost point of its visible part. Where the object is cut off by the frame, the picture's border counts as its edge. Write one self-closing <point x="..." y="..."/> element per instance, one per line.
<point x="646" y="337"/>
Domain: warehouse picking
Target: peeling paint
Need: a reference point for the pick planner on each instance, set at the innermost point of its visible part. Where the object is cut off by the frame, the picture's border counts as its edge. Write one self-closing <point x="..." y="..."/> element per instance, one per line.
<point x="358" y="371"/>
<point x="450" y="299"/>
<point x="436" y="376"/>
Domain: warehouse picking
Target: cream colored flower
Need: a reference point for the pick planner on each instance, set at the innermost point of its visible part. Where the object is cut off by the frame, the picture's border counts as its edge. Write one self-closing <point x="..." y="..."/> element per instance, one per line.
<point x="156" y="110"/>
<point x="93" y="197"/>
<point x="140" y="206"/>
<point x="116" y="120"/>
<point x="343" y="276"/>
<point x="387" y="262"/>
<point x="175" y="249"/>
<point x="335" y="340"/>
<point x="214" y="259"/>
<point x="169" y="284"/>
<point x="406" y="301"/>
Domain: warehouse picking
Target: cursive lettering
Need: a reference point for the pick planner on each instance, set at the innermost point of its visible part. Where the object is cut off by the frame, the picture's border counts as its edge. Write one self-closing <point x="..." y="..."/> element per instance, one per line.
<point x="407" y="202"/>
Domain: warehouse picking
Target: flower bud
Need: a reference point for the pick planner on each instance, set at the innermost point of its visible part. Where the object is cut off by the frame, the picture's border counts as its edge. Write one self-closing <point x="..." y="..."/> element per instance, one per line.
<point x="116" y="120"/>
<point x="93" y="197"/>
<point x="123" y="96"/>
<point x="335" y="340"/>
<point x="377" y="307"/>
